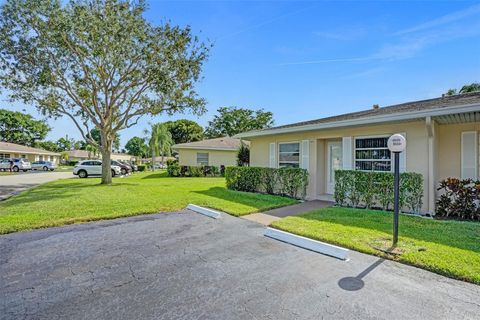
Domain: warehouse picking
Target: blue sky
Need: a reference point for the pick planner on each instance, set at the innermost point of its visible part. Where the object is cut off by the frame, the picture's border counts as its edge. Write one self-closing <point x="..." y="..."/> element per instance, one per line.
<point x="306" y="60"/>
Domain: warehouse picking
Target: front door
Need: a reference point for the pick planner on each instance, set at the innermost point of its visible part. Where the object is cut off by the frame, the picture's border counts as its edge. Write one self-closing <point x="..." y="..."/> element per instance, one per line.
<point x="334" y="162"/>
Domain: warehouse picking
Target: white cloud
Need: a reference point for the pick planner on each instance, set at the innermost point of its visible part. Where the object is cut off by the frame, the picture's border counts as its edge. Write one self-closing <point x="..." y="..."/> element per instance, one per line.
<point x="443" y="20"/>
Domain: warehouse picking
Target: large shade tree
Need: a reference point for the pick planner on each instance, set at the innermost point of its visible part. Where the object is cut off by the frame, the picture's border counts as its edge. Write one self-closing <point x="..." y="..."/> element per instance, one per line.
<point x="136" y="146"/>
<point x="232" y="120"/>
<point x="17" y="127"/>
<point x="184" y="130"/>
<point x="98" y="62"/>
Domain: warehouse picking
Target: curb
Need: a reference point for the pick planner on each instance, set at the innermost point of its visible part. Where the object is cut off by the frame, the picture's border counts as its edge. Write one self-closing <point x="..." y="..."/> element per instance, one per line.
<point x="205" y="211"/>
<point x="307" y="243"/>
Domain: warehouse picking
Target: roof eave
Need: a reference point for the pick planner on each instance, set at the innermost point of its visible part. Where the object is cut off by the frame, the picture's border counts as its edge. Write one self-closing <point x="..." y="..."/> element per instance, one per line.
<point x="204" y="148"/>
<point x="411" y="115"/>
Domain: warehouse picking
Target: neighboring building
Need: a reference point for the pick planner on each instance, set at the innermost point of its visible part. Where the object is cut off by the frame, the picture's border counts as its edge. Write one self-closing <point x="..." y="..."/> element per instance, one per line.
<point x="212" y="152"/>
<point x="79" y="155"/>
<point x="442" y="141"/>
<point x="157" y="160"/>
<point x="13" y="150"/>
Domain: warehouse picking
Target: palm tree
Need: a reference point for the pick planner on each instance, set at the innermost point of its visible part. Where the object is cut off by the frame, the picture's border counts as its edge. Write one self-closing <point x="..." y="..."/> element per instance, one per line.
<point x="473" y="87"/>
<point x="160" y="141"/>
<point x="91" y="150"/>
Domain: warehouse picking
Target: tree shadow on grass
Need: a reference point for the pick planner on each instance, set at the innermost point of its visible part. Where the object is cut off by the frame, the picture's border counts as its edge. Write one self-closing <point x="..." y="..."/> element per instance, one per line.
<point x="156" y="175"/>
<point x="462" y="235"/>
<point x="57" y="190"/>
<point x="259" y="201"/>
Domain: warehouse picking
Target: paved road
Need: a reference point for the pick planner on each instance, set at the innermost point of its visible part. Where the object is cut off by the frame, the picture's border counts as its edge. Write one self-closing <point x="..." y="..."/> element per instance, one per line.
<point x="17" y="182"/>
<point x="187" y="266"/>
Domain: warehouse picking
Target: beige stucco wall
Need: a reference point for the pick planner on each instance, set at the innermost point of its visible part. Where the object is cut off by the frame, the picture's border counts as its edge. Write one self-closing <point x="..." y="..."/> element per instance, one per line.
<point x="449" y="148"/>
<point x="416" y="153"/>
<point x="36" y="157"/>
<point x="188" y="157"/>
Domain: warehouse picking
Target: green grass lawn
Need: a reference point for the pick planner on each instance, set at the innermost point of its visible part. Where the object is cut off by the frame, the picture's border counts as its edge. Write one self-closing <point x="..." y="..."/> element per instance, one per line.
<point x="450" y="248"/>
<point x="80" y="200"/>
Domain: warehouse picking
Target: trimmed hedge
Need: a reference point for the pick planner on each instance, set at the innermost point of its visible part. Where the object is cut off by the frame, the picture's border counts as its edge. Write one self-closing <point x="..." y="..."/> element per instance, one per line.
<point x="460" y="199"/>
<point x="175" y="170"/>
<point x="375" y="190"/>
<point x="291" y="182"/>
<point x="142" y="167"/>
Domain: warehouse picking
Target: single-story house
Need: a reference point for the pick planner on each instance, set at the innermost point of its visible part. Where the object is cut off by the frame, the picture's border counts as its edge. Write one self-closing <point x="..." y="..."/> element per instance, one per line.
<point x="13" y="150"/>
<point x="211" y="152"/>
<point x="441" y="133"/>
<point x="79" y="155"/>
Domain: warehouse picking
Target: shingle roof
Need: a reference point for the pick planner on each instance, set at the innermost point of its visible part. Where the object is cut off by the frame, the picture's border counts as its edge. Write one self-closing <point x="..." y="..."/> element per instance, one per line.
<point x="79" y="153"/>
<point x="421" y="105"/>
<point x="18" y="148"/>
<point x="225" y="143"/>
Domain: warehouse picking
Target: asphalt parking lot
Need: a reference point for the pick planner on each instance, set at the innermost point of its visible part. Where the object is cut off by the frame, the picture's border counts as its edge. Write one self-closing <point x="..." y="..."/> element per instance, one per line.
<point x="187" y="266"/>
<point x="19" y="181"/>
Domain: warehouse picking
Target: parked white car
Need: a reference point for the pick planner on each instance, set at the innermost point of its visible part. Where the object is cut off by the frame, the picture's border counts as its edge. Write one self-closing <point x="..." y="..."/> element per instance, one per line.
<point x="43" y="165"/>
<point x="92" y="168"/>
<point x="17" y="164"/>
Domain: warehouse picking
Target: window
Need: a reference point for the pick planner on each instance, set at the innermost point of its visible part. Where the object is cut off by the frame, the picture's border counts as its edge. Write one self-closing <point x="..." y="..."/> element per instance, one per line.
<point x="4" y="155"/>
<point x="372" y="154"/>
<point x="202" y="158"/>
<point x="289" y="155"/>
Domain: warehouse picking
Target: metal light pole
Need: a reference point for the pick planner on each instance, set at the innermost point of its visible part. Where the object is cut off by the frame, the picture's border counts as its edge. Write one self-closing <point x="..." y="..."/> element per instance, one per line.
<point x="396" y="144"/>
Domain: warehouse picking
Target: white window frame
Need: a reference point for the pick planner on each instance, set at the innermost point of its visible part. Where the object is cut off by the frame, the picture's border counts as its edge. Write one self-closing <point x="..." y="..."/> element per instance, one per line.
<point x="299" y="153"/>
<point x="5" y="156"/>
<point x="370" y="160"/>
<point x="208" y="159"/>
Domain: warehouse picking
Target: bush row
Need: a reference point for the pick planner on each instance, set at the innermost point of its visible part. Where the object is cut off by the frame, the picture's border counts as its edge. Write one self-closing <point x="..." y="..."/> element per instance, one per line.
<point x="375" y="190"/>
<point x="175" y="170"/>
<point x="460" y="199"/>
<point x="290" y="182"/>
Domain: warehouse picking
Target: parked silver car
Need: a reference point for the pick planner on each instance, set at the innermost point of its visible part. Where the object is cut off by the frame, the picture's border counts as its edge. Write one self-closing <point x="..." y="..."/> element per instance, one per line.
<point x="44" y="165"/>
<point x="92" y="168"/>
<point x="16" y="164"/>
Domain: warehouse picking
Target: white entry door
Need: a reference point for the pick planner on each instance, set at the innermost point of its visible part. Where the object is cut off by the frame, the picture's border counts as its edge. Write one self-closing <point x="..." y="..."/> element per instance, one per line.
<point x="334" y="162"/>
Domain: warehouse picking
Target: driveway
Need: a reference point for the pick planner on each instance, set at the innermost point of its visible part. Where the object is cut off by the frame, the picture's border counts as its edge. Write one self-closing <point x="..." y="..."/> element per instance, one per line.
<point x="17" y="182"/>
<point x="187" y="266"/>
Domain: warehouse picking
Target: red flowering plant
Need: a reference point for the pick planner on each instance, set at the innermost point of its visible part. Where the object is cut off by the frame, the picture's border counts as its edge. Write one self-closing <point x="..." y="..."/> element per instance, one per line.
<point x="460" y="199"/>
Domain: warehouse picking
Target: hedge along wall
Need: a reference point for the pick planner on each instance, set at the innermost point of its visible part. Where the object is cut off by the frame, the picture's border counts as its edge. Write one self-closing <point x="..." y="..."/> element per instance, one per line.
<point x="291" y="182"/>
<point x="375" y="190"/>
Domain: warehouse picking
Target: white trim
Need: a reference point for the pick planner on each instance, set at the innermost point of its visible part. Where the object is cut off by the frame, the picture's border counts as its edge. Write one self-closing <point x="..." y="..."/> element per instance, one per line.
<point x="205" y="211"/>
<point x="307" y="243"/>
<point x="305" y="155"/>
<point x="347" y="153"/>
<point x="272" y="149"/>
<point x="411" y="115"/>
<point x="464" y="174"/>
<point x="205" y="148"/>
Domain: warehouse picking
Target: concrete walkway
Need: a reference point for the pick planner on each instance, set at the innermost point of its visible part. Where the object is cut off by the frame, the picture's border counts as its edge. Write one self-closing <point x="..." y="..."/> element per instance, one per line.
<point x="267" y="217"/>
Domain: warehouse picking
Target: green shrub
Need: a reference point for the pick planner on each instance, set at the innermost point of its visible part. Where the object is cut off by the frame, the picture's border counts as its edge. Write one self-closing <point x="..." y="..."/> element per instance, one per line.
<point x="290" y="182"/>
<point x="72" y="163"/>
<point x="173" y="169"/>
<point x="141" y="168"/>
<point x="195" y="171"/>
<point x="375" y="190"/>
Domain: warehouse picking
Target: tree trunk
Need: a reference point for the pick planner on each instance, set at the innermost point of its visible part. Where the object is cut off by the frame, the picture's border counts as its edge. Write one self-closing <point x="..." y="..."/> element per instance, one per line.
<point x="162" y="160"/>
<point x="153" y="160"/>
<point x="106" y="150"/>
